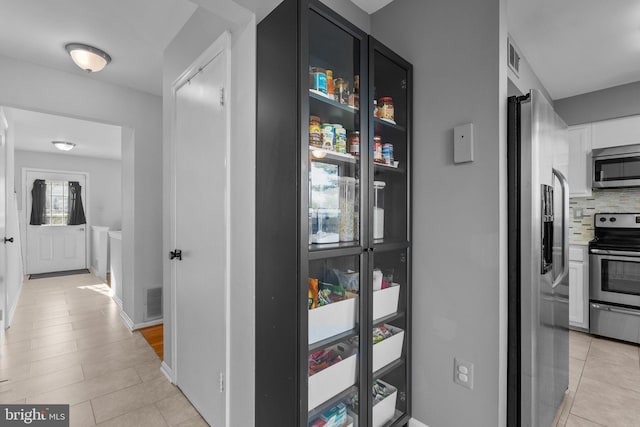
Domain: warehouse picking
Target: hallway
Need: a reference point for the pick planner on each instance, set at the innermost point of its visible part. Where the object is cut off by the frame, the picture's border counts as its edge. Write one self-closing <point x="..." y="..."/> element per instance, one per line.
<point x="68" y="345"/>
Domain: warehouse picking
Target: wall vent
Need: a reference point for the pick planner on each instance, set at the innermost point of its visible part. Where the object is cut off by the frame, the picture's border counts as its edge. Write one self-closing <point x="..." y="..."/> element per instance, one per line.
<point x="154" y="304"/>
<point x="514" y="58"/>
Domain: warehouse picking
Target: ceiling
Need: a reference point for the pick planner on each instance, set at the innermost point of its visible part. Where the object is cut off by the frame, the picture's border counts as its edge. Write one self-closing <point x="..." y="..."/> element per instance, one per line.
<point x="134" y="32"/>
<point x="371" y="6"/>
<point x="578" y="46"/>
<point x="34" y="132"/>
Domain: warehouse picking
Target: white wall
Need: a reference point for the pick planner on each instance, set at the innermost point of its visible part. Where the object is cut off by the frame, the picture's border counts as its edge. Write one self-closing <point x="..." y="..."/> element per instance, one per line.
<point x="526" y="79"/>
<point x="32" y="87"/>
<point x="457" y="48"/>
<point x="105" y="182"/>
<point x="198" y="34"/>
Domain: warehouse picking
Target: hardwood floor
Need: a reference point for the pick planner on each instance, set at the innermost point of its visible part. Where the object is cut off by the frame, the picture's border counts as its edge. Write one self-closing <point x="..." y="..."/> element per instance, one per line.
<point x="155" y="337"/>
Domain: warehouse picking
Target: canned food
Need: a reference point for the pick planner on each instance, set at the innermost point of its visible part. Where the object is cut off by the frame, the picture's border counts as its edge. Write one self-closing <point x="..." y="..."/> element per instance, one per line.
<point x="319" y="79"/>
<point x="377" y="149"/>
<point x="387" y="154"/>
<point x="328" y="136"/>
<point x="340" y="138"/>
<point x="354" y="143"/>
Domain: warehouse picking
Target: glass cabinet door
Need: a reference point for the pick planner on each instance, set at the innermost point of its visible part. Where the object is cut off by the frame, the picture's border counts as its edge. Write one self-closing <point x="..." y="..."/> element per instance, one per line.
<point x="335" y="135"/>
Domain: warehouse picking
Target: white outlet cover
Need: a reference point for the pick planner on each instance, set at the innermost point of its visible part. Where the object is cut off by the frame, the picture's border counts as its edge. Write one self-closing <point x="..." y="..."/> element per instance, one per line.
<point x="463" y="143"/>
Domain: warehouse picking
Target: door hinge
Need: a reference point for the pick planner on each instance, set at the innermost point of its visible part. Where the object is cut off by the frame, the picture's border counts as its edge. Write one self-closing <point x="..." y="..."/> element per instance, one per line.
<point x="221" y="382"/>
<point x="222" y="96"/>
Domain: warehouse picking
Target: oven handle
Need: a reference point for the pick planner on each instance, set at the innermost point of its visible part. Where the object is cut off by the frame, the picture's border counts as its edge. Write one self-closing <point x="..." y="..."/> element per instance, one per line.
<point x="621" y="253"/>
<point x="565" y="228"/>
<point x="615" y="309"/>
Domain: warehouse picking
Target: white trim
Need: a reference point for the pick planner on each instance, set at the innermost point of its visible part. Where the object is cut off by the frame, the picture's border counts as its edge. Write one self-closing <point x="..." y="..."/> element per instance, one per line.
<point x="12" y="310"/>
<point x="415" y="423"/>
<point x="86" y="206"/>
<point x="227" y="280"/>
<point x="127" y="321"/>
<point x="221" y="45"/>
<point x="116" y="299"/>
<point x="155" y="322"/>
<point x="167" y="371"/>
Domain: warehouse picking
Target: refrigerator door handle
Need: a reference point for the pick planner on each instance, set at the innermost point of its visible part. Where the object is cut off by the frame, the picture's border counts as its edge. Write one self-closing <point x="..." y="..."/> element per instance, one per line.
<point x="565" y="232"/>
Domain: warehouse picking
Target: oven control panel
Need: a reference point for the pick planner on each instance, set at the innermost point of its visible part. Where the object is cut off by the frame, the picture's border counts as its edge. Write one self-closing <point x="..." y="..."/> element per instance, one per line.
<point x="617" y="220"/>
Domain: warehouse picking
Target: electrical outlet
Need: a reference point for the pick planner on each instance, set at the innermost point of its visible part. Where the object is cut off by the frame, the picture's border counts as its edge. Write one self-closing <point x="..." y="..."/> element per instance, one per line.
<point x="463" y="373"/>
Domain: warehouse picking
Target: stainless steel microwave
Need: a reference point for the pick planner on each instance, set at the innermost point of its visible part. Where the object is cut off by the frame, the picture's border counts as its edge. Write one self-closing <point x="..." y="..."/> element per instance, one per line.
<point x="616" y="166"/>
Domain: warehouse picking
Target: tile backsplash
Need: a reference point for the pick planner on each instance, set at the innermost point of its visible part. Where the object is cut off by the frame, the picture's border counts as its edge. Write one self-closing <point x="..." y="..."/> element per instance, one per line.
<point x="621" y="200"/>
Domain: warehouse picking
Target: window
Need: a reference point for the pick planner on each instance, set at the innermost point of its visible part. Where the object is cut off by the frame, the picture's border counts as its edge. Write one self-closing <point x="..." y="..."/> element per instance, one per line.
<point x="57" y="209"/>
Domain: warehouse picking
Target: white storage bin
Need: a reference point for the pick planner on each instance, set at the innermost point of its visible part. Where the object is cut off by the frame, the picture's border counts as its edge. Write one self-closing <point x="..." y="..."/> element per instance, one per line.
<point x="385" y="301"/>
<point x="350" y="422"/>
<point x="388" y="350"/>
<point x="333" y="380"/>
<point x="332" y="319"/>
<point x="384" y="411"/>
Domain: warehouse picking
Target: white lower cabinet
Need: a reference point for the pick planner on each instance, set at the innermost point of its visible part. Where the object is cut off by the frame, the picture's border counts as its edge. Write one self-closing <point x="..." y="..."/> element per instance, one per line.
<point x="578" y="287"/>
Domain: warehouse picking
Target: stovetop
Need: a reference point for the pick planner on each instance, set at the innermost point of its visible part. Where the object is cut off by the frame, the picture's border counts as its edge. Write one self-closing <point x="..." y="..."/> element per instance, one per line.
<point x="616" y="231"/>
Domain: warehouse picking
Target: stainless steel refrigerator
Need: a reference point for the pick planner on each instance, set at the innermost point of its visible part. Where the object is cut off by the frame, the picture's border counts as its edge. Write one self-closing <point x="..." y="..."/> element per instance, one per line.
<point x="538" y="364"/>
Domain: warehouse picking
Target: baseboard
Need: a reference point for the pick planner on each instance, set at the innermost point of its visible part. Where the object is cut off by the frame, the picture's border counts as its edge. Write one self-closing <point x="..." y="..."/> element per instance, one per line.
<point x="127" y="321"/>
<point x="148" y="324"/>
<point x="167" y="371"/>
<point x="12" y="309"/>
<point x="116" y="299"/>
<point x="415" y="423"/>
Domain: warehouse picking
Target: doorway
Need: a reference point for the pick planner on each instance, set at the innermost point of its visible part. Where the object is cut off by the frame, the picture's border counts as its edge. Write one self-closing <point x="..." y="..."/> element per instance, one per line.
<point x="200" y="232"/>
<point x="55" y="241"/>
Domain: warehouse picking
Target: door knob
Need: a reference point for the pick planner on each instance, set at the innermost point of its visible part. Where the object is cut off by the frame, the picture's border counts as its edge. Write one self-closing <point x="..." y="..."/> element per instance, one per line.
<point x="10" y="239"/>
<point x="176" y="253"/>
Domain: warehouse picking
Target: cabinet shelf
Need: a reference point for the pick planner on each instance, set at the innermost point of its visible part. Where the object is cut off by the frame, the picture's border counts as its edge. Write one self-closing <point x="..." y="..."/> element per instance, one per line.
<point x="319" y="96"/>
<point x="387" y="369"/>
<point x="332" y="250"/>
<point x="389" y="244"/>
<point x="382" y="123"/>
<point x="333" y="340"/>
<point x="379" y="168"/>
<point x="327" y="156"/>
<point x="388" y="319"/>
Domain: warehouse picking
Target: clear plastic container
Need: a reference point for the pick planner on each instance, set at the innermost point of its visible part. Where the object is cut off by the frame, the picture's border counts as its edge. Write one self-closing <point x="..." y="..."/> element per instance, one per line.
<point x="378" y="209"/>
<point x="347" y="208"/>
<point x="328" y="226"/>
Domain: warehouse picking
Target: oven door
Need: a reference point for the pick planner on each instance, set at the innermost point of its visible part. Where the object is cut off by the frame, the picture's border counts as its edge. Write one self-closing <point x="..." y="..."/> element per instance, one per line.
<point x="614" y="276"/>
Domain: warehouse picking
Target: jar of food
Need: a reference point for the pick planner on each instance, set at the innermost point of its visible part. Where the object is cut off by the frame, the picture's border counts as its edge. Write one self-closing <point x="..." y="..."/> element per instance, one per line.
<point x="376" y="109"/>
<point x="354" y="98"/>
<point x="340" y="138"/>
<point x="330" y="90"/>
<point x="353" y="141"/>
<point x="315" y="133"/>
<point x="377" y="149"/>
<point x="319" y="79"/>
<point x="341" y="88"/>
<point x="328" y="136"/>
<point x="386" y="108"/>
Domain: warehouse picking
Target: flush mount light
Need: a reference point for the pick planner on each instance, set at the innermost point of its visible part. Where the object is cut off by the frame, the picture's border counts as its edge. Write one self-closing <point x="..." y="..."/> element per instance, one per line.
<point x="63" y="145"/>
<point x="89" y="58"/>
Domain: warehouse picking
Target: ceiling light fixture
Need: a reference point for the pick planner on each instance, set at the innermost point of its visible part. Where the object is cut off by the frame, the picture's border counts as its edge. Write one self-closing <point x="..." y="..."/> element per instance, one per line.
<point x="63" y="145"/>
<point x="89" y="58"/>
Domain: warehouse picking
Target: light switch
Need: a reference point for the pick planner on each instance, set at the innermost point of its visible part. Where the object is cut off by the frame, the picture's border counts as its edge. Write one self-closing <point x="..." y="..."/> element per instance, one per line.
<point x="463" y="143"/>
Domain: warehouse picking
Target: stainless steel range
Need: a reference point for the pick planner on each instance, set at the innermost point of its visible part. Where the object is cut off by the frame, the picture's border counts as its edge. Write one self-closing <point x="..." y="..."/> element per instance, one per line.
<point x="614" y="277"/>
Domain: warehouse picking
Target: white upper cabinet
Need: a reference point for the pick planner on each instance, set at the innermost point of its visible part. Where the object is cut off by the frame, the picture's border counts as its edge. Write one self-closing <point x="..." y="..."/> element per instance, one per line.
<point x="609" y="133"/>
<point x="580" y="160"/>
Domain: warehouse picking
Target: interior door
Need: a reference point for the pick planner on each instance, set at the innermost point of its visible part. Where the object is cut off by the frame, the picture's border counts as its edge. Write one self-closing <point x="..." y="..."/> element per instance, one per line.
<point x="201" y="228"/>
<point x="55" y="247"/>
<point x="3" y="221"/>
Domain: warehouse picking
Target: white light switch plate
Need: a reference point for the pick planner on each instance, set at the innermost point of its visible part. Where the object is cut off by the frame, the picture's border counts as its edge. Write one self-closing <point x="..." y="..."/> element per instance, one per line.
<point x="463" y="143"/>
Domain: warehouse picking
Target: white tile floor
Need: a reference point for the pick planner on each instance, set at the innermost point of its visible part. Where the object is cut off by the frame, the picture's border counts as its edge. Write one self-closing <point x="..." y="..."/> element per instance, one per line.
<point x="604" y="383"/>
<point x="67" y="344"/>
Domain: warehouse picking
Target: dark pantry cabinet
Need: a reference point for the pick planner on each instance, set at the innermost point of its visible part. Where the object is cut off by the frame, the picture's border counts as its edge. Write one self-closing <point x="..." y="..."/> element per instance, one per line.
<point x="333" y="244"/>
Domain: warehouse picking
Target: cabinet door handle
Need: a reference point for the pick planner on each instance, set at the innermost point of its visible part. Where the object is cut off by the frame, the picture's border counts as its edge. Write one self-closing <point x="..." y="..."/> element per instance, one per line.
<point x="10" y="240"/>
<point x="176" y="254"/>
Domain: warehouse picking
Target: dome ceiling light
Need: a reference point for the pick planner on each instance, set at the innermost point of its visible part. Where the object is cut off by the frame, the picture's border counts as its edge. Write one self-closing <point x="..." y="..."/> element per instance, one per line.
<point x="63" y="145"/>
<point x="89" y="58"/>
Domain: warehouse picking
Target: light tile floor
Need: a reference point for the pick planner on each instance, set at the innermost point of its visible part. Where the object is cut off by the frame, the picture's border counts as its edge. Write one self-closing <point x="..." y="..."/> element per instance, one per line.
<point x="67" y="344"/>
<point x="604" y="383"/>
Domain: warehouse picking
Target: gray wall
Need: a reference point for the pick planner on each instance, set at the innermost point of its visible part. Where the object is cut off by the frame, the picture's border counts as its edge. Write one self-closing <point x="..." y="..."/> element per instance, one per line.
<point x="33" y="87"/>
<point x="105" y="181"/>
<point x="611" y="103"/>
<point x="459" y="229"/>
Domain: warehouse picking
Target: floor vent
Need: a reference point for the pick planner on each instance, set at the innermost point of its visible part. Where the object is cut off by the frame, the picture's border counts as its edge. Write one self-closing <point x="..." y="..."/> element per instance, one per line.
<point x="154" y="304"/>
<point x="514" y="58"/>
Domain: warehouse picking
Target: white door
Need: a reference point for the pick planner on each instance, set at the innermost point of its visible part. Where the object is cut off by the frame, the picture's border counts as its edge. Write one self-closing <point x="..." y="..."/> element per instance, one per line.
<point x="3" y="221"/>
<point x="57" y="246"/>
<point x="201" y="224"/>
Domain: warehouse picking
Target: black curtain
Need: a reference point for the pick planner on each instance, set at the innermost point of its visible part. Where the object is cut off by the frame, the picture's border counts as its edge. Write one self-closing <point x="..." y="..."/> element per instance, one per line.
<point x="39" y="205"/>
<point x="76" y="211"/>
